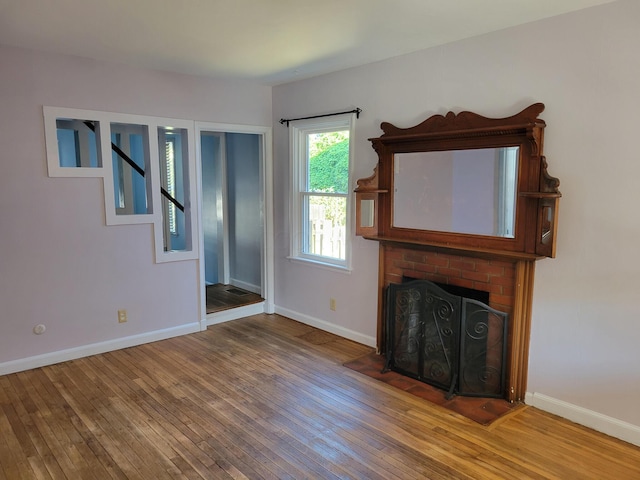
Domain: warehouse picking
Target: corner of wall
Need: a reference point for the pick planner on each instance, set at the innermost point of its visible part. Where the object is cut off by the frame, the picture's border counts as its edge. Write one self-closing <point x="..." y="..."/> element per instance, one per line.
<point x="588" y="418"/>
<point x="327" y="326"/>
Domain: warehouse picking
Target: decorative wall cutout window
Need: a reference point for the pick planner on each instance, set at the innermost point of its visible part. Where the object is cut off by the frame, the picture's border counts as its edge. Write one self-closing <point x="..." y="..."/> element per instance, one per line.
<point x="137" y="190"/>
<point x="174" y="177"/>
<point x="78" y="143"/>
<point x="131" y="167"/>
<point x="74" y="142"/>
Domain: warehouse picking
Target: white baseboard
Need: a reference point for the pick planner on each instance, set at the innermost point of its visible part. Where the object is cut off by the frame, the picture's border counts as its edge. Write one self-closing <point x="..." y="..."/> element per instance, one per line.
<point x="602" y="423"/>
<point x="327" y="326"/>
<point x="246" y="286"/>
<point x="235" y="313"/>
<point x="95" y="348"/>
<point x="269" y="307"/>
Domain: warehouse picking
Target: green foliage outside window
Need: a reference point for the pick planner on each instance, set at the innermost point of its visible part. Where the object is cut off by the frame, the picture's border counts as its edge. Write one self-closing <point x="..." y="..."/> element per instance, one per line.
<point x="329" y="169"/>
<point x="329" y="172"/>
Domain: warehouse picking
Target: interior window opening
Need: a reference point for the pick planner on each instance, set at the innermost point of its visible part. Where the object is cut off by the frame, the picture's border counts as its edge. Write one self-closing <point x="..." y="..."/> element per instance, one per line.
<point x="174" y="173"/>
<point x="130" y="158"/>
<point x="77" y="143"/>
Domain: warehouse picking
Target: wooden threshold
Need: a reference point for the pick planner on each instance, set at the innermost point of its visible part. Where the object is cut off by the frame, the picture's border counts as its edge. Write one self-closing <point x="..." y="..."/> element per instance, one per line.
<point x="224" y="297"/>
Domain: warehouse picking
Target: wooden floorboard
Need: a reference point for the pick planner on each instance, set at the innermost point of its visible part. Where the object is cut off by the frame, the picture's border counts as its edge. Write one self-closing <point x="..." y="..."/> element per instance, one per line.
<point x="268" y="398"/>
<point x="223" y="297"/>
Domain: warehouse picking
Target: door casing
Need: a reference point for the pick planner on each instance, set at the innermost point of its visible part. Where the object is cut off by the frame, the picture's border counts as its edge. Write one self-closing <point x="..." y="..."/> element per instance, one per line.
<point x="266" y="180"/>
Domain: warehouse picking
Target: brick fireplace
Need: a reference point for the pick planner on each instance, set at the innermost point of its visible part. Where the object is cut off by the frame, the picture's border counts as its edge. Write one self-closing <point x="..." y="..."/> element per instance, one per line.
<point x="508" y="279"/>
<point x="424" y="206"/>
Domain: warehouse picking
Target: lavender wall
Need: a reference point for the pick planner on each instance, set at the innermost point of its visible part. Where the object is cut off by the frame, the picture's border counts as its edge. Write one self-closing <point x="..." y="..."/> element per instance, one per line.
<point x="60" y="265"/>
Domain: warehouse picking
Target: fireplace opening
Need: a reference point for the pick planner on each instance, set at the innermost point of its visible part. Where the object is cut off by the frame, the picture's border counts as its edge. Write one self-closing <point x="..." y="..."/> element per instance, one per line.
<point x="479" y="295"/>
<point x="446" y="338"/>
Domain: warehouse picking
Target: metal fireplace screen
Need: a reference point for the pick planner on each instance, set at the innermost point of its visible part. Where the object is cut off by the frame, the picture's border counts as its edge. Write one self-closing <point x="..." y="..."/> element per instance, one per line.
<point x="454" y="343"/>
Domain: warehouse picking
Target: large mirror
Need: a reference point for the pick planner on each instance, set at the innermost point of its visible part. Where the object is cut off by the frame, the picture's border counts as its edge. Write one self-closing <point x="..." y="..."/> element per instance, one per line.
<point x="462" y="191"/>
<point x="462" y="182"/>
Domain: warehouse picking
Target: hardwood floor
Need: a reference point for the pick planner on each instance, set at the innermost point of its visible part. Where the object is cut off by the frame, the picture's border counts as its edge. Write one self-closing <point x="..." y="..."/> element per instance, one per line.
<point x="482" y="410"/>
<point x="223" y="297"/>
<point x="267" y="397"/>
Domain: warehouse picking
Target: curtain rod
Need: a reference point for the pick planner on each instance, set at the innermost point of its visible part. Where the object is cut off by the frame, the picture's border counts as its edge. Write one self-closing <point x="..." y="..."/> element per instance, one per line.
<point x="287" y="120"/>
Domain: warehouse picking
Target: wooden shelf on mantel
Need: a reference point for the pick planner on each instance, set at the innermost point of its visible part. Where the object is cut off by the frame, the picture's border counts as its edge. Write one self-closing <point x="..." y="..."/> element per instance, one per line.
<point x="456" y="250"/>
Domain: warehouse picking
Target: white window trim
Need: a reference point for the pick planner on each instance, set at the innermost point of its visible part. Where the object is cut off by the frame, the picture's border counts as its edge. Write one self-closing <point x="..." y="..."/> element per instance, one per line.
<point x="51" y="114"/>
<point x="297" y="150"/>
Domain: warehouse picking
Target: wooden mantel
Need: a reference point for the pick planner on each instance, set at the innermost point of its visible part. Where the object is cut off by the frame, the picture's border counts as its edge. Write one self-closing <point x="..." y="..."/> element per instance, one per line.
<point x="501" y="263"/>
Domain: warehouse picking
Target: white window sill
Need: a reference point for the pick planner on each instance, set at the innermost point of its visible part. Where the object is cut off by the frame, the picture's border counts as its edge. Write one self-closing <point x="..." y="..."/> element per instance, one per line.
<point x="320" y="264"/>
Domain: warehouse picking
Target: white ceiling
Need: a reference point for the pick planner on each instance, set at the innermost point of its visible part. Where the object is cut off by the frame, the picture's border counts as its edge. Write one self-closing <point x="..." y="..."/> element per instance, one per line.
<point x="268" y="41"/>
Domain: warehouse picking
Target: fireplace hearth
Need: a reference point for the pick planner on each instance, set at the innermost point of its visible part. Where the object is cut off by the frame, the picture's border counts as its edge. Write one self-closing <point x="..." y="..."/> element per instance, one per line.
<point x="449" y="341"/>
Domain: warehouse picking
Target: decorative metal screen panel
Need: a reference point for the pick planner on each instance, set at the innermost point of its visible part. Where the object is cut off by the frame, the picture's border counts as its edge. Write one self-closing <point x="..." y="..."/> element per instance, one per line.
<point x="451" y="342"/>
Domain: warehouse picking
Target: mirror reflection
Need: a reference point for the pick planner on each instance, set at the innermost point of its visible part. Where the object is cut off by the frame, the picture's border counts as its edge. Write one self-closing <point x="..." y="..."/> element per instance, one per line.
<point x="459" y="191"/>
<point x="367" y="212"/>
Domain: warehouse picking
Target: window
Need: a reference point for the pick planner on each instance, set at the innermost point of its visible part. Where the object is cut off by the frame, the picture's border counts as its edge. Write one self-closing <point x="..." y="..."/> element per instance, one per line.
<point x="130" y="158"/>
<point x="170" y="180"/>
<point x="174" y="182"/>
<point x="321" y="153"/>
<point x="77" y="143"/>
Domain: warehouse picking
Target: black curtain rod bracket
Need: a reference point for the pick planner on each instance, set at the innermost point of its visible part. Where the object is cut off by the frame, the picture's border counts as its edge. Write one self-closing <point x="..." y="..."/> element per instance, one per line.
<point x="357" y="111"/>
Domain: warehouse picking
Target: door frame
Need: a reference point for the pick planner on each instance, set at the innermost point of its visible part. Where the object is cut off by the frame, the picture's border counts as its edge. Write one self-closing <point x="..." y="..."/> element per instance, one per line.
<point x="266" y="180"/>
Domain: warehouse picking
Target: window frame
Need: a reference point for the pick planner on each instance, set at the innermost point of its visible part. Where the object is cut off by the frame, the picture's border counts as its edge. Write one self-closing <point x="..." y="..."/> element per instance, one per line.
<point x="298" y="132"/>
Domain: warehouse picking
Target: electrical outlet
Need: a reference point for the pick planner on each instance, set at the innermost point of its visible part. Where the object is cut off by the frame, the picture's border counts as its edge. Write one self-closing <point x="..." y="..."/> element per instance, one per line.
<point x="39" y="329"/>
<point x="122" y="316"/>
<point x="332" y="304"/>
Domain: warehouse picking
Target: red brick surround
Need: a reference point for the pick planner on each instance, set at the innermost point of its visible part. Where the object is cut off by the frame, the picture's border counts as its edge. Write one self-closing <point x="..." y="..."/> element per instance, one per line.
<point x="493" y="276"/>
<point x="507" y="279"/>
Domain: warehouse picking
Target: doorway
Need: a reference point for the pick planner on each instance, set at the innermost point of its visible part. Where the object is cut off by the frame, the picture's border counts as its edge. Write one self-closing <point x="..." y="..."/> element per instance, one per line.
<point x="235" y="269"/>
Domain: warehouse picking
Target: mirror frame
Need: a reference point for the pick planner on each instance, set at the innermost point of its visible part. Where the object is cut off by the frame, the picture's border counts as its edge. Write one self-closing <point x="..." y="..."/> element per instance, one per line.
<point x="537" y="193"/>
